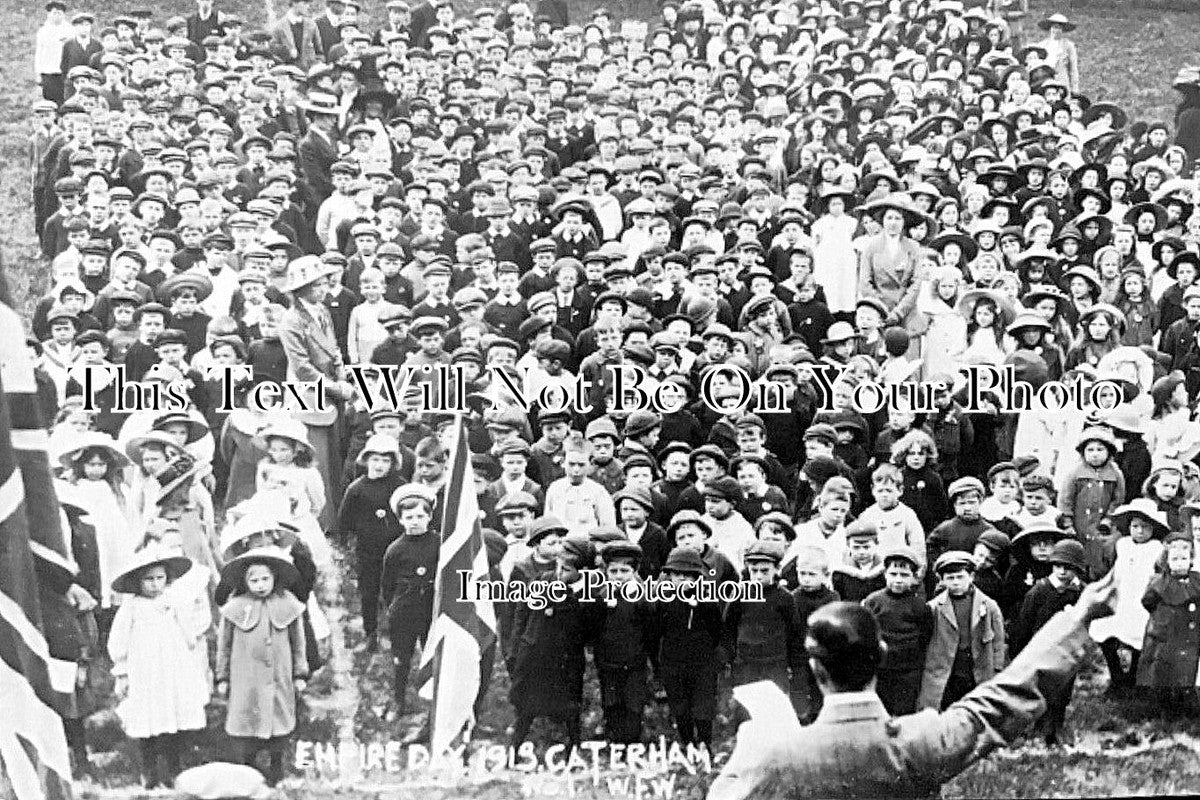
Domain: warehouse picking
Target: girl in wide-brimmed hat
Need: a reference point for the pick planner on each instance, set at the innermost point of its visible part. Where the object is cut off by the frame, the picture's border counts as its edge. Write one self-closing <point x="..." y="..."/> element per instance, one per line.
<point x="1031" y="333"/>
<point x="155" y="638"/>
<point x="289" y="461"/>
<point x="261" y="663"/>
<point x="1095" y="486"/>
<point x="1142" y="528"/>
<point x="988" y="314"/>
<point x="184" y="503"/>
<point x="93" y="479"/>
<point x="1175" y="435"/>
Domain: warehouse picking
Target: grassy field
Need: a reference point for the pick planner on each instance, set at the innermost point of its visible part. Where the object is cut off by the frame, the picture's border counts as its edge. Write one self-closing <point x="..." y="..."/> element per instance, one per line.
<point x="1128" y="56"/>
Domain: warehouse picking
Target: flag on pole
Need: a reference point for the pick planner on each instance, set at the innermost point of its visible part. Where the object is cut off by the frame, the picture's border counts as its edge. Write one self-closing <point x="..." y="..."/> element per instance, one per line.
<point x="33" y="750"/>
<point x="461" y="631"/>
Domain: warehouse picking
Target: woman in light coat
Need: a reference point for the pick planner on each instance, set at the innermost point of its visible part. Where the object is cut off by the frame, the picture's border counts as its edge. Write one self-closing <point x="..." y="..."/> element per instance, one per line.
<point x="888" y="264"/>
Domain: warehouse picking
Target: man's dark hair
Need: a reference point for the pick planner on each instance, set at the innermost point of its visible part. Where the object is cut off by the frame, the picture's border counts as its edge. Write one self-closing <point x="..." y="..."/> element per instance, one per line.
<point x="844" y="638"/>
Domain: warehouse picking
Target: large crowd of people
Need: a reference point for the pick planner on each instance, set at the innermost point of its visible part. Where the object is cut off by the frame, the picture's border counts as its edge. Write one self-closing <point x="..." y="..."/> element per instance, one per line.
<point x="895" y="190"/>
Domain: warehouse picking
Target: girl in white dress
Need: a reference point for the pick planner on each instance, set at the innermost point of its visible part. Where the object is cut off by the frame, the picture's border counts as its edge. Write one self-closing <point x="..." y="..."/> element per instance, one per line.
<point x="1143" y="527"/>
<point x="153" y="645"/>
<point x="835" y="262"/>
<point x="92" y="480"/>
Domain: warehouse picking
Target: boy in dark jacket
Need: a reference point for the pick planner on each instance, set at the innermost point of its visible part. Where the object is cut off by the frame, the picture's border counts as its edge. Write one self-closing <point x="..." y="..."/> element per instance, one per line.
<point x="763" y="640"/>
<point x="623" y="637"/>
<point x="366" y="519"/>
<point x="906" y="625"/>
<point x="992" y="560"/>
<point x="690" y="636"/>
<point x="812" y="573"/>
<point x="1049" y="595"/>
<point x="963" y="530"/>
<point x="547" y="679"/>
<point x="1031" y="552"/>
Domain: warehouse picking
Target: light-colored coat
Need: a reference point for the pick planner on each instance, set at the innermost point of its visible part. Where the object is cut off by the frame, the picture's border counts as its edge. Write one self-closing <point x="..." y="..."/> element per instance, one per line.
<point x="312" y="352"/>
<point x="856" y="749"/>
<point x="987" y="645"/>
<point x="260" y="652"/>
<point x="892" y="278"/>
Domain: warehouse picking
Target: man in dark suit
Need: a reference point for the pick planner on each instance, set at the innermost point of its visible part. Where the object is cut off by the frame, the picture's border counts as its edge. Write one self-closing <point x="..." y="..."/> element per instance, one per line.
<point x="204" y="23"/>
<point x="317" y="149"/>
<point x="327" y="25"/>
<point x="295" y="39"/>
<point x="79" y="49"/>
<point x="424" y="16"/>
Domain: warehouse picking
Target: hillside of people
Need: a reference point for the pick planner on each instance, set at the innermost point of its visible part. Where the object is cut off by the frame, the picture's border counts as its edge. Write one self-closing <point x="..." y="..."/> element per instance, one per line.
<point x="301" y="287"/>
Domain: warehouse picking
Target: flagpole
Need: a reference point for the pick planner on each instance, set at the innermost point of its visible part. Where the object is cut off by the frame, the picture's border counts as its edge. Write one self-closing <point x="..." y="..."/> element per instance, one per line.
<point x="439" y="586"/>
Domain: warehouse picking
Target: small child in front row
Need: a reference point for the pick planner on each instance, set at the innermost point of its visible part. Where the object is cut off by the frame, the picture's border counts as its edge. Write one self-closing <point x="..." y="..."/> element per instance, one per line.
<point x="906" y="625"/>
<point x="763" y="639"/>
<point x="967" y="647"/>
<point x="690" y="635"/>
<point x="153" y="641"/>
<point x="1049" y="595"/>
<point x="811" y="568"/>
<point x="1142" y="527"/>
<point x="260" y="649"/>
<point x="623" y="637"/>
<point x="1171" y="647"/>
<point x="1030" y="554"/>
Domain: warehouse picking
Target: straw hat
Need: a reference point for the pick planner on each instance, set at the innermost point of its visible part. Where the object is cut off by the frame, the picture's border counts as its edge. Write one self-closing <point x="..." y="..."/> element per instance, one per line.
<point x="380" y="444"/>
<point x="287" y="428"/>
<point x="133" y="448"/>
<point x="176" y="564"/>
<point x="255" y="521"/>
<point x="1147" y="510"/>
<point x="92" y="439"/>
<point x="286" y="574"/>
<point x="306" y="270"/>
<point x="410" y="491"/>
<point x="1004" y="308"/>
<point x="180" y="469"/>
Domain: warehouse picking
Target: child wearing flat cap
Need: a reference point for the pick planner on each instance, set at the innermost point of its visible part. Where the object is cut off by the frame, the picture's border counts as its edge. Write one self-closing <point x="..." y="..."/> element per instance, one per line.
<point x="967" y="647"/>
<point x="623" y="634"/>
<point x="906" y="625"/>
<point x="763" y="640"/>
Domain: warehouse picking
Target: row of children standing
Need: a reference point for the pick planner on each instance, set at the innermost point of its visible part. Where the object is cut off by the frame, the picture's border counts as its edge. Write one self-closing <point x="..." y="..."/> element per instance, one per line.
<point x="181" y="603"/>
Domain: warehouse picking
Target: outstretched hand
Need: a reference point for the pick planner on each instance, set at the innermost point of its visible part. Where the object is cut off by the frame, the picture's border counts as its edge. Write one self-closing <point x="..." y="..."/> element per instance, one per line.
<point x="1097" y="599"/>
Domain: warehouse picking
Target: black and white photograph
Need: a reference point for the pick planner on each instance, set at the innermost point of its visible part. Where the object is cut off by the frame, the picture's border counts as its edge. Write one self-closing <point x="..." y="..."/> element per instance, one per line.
<point x="599" y="399"/>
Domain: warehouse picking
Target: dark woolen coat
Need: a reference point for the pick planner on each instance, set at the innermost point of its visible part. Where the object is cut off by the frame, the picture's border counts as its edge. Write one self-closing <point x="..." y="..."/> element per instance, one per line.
<point x="1171" y="648"/>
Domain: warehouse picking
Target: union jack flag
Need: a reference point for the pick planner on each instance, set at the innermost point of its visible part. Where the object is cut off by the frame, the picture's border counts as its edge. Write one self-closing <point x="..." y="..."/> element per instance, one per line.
<point x="33" y="750"/>
<point x="461" y="630"/>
